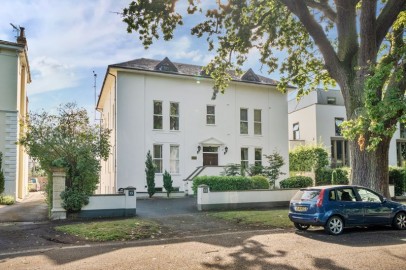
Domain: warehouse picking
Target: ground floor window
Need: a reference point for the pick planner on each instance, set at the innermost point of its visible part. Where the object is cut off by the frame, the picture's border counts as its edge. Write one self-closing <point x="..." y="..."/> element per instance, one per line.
<point x="339" y="153"/>
<point x="174" y="159"/>
<point x="258" y="157"/>
<point x="157" y="158"/>
<point x="244" y="158"/>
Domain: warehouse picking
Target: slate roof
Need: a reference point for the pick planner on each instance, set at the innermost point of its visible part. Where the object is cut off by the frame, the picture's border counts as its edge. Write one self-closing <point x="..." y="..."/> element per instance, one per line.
<point x="151" y="65"/>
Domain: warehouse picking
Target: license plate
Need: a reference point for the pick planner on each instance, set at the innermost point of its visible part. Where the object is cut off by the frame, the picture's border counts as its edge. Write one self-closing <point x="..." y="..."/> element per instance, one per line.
<point x="300" y="208"/>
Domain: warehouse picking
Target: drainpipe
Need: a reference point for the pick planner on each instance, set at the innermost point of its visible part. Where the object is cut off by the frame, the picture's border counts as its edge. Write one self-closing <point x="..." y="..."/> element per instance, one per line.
<point x="115" y="129"/>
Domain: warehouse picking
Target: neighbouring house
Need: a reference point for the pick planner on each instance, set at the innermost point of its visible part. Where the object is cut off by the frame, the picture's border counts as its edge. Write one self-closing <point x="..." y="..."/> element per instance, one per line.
<point x="14" y="77"/>
<point x="316" y="119"/>
<point x="167" y="108"/>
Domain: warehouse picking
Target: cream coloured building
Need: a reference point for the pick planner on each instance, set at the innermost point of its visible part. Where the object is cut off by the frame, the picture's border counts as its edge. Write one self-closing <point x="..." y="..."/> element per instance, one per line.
<point x="14" y="77"/>
<point x="167" y="108"/>
<point x="315" y="119"/>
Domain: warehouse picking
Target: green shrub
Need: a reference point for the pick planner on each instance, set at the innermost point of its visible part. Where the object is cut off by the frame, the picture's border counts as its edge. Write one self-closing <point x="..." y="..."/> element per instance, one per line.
<point x="306" y="158"/>
<point x="6" y="200"/>
<point x="324" y="176"/>
<point x="259" y="182"/>
<point x="168" y="183"/>
<point x="397" y="176"/>
<point x="223" y="183"/>
<point x="232" y="170"/>
<point x="296" y="182"/>
<point x="73" y="200"/>
<point x="150" y="174"/>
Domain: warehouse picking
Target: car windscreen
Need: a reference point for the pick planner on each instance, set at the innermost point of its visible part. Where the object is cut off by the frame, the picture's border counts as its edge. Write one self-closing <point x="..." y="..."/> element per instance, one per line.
<point x="306" y="195"/>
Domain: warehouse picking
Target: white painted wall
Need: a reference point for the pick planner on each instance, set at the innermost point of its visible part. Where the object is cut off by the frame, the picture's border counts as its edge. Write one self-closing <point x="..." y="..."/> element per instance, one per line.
<point x="13" y="107"/>
<point x="135" y="135"/>
<point x="317" y="124"/>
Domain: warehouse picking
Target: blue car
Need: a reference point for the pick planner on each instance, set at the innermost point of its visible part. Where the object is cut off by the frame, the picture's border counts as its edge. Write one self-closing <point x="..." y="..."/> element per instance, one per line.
<point x="338" y="207"/>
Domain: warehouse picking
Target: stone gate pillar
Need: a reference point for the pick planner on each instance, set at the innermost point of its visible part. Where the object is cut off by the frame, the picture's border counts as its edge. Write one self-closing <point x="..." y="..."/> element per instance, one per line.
<point x="58" y="185"/>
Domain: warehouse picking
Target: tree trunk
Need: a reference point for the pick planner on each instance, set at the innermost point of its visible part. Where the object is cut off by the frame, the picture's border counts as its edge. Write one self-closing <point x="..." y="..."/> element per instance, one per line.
<point x="371" y="168"/>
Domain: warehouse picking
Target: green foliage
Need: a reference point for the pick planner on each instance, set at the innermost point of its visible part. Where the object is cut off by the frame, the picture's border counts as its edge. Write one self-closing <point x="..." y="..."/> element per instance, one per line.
<point x="305" y="158"/>
<point x="273" y="172"/>
<point x="73" y="199"/>
<point x="296" y="182"/>
<point x="256" y="170"/>
<point x="68" y="140"/>
<point x="224" y="183"/>
<point x="150" y="174"/>
<point x="6" y="200"/>
<point x="397" y="176"/>
<point x="259" y="182"/>
<point x="232" y="170"/>
<point x="2" y="180"/>
<point x="324" y="176"/>
<point x="168" y="183"/>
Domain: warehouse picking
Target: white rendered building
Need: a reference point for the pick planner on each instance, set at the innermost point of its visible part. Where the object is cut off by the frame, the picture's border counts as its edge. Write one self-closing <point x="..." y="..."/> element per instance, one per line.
<point x="167" y="108"/>
<point x="315" y="119"/>
<point x="14" y="77"/>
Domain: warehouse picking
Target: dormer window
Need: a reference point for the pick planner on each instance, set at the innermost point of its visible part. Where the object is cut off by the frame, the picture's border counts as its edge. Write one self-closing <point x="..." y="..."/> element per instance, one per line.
<point x="250" y="76"/>
<point x="166" y="65"/>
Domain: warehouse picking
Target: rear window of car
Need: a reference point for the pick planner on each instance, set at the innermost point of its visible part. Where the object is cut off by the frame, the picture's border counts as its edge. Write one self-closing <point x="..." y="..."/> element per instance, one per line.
<point x="306" y="195"/>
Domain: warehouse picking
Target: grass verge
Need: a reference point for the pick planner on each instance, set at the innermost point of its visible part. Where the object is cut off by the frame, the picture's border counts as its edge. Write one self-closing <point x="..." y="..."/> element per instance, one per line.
<point x="277" y="218"/>
<point x="117" y="230"/>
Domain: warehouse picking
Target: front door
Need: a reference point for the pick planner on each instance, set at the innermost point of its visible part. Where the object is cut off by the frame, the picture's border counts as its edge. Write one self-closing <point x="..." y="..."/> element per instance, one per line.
<point x="210" y="156"/>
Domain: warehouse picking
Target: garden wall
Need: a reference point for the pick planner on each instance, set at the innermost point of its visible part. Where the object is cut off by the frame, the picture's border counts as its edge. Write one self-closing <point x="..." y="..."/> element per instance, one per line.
<point x="111" y="205"/>
<point x="224" y="200"/>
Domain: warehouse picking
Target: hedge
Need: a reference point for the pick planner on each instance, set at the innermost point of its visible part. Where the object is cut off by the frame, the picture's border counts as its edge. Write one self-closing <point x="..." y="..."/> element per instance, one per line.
<point x="397" y="176"/>
<point x="296" y="182"/>
<point x="324" y="176"/>
<point x="306" y="158"/>
<point x="230" y="183"/>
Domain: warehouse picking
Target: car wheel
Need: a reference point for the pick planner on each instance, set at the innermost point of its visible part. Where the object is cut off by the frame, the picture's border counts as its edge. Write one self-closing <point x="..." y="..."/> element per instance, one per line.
<point x="301" y="227"/>
<point x="399" y="222"/>
<point x="334" y="225"/>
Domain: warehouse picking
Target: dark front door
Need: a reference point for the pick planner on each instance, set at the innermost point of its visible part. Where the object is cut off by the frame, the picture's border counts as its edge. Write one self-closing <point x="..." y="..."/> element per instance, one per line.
<point x="210" y="159"/>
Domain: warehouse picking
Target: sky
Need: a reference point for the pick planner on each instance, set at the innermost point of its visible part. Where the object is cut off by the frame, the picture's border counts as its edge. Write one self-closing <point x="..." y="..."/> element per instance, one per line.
<point x="71" y="40"/>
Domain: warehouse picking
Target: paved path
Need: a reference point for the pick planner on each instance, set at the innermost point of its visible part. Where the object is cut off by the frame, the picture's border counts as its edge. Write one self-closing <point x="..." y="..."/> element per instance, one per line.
<point x="31" y="209"/>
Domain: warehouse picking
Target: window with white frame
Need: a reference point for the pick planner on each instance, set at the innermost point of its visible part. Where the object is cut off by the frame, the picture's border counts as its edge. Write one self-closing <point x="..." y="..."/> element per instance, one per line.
<point x="210" y="115"/>
<point x="174" y="159"/>
<point x="157" y="114"/>
<point x="258" y="157"/>
<point x="257" y="122"/>
<point x="243" y="121"/>
<point x="157" y="158"/>
<point x="244" y="158"/>
<point x="174" y="116"/>
<point x="296" y="131"/>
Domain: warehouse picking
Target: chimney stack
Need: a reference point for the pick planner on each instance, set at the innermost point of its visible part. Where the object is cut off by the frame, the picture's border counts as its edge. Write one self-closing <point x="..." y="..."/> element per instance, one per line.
<point x="21" y="38"/>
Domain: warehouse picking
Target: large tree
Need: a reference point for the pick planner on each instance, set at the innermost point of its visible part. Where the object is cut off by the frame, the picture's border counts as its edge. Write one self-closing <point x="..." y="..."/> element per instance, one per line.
<point x="360" y="45"/>
<point x="68" y="140"/>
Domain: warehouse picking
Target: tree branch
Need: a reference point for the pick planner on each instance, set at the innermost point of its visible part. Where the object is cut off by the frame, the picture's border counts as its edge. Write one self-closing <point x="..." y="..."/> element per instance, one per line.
<point x="333" y="64"/>
<point x="324" y="7"/>
<point x="387" y="17"/>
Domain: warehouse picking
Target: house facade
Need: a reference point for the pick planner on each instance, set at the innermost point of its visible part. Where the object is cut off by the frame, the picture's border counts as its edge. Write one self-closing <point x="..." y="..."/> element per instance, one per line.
<point x="315" y="119"/>
<point x="14" y="77"/>
<point x="167" y="108"/>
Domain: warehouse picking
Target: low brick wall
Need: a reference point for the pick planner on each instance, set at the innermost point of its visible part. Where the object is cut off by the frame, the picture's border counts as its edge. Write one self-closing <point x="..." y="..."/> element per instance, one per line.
<point x="207" y="200"/>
